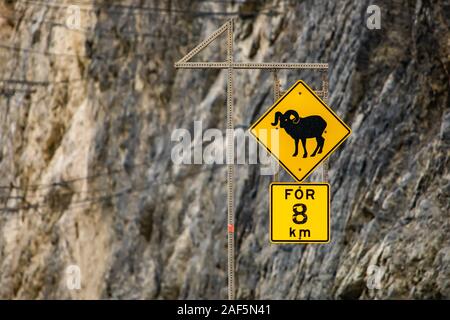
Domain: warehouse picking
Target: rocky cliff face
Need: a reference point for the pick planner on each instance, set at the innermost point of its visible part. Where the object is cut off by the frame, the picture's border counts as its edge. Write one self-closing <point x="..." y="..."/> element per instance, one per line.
<point x="86" y="176"/>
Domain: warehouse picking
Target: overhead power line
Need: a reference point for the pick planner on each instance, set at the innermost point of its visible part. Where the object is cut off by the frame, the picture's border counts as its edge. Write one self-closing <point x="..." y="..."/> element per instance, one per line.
<point x="119" y="8"/>
<point x="86" y="31"/>
<point x="231" y="2"/>
<point x="109" y="196"/>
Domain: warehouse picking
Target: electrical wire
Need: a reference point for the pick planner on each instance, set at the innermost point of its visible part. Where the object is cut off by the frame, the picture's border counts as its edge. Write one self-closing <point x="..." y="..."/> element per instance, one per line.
<point x="47" y="53"/>
<point x="119" y="9"/>
<point x="127" y="190"/>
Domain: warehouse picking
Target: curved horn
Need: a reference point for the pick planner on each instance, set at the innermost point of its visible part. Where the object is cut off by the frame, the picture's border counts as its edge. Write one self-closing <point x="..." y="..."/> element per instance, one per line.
<point x="294" y="113"/>
<point x="277" y="117"/>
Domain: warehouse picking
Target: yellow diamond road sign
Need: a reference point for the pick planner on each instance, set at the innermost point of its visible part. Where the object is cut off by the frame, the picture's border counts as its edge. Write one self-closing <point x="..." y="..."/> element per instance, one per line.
<point x="299" y="212"/>
<point x="300" y="130"/>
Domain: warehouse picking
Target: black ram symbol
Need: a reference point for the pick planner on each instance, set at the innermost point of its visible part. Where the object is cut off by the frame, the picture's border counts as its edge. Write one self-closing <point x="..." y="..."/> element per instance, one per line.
<point x="302" y="129"/>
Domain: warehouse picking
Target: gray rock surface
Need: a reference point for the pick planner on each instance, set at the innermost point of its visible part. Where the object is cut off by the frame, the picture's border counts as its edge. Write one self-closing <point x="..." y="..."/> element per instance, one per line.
<point x="85" y="160"/>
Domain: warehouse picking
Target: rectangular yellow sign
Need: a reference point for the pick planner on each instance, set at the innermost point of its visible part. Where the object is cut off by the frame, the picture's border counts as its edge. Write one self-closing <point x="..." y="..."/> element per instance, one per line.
<point x="299" y="212"/>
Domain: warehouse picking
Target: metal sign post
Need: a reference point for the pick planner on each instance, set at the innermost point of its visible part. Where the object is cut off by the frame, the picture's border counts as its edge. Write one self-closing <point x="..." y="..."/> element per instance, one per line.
<point x="230" y="161"/>
<point x="230" y="65"/>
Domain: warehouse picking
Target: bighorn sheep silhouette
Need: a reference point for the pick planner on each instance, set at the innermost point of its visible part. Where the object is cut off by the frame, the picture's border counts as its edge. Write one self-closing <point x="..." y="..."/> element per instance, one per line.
<point x="302" y="129"/>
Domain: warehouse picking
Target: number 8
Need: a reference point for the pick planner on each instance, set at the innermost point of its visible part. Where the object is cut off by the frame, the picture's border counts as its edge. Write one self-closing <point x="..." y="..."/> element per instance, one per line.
<point x="299" y="213"/>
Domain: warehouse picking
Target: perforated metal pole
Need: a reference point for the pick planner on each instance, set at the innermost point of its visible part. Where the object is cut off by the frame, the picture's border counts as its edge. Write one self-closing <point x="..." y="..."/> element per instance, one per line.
<point x="325" y="99"/>
<point x="276" y="96"/>
<point x="230" y="162"/>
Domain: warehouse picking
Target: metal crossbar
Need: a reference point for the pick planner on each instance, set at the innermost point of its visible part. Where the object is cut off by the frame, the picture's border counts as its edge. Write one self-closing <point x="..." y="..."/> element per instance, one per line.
<point x="249" y="65"/>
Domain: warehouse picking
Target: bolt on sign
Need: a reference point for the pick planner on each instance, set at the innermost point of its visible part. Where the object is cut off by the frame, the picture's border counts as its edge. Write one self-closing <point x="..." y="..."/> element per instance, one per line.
<point x="299" y="212"/>
<point x="308" y="131"/>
